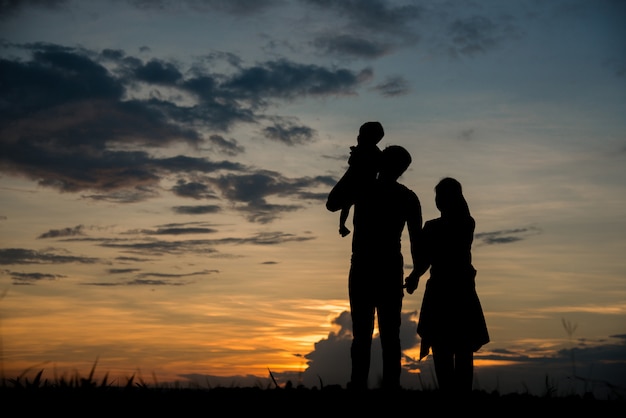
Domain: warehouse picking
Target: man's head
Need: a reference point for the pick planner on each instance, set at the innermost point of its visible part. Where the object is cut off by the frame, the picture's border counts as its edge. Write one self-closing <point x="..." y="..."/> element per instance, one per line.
<point x="394" y="162"/>
<point x="370" y="133"/>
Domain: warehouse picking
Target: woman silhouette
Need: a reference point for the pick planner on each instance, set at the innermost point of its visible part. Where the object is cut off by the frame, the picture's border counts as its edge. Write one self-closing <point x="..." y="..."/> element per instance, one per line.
<point x="451" y="320"/>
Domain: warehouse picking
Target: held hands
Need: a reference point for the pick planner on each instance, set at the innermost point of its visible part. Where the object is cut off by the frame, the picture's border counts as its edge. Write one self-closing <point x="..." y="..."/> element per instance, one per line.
<point x="411" y="282"/>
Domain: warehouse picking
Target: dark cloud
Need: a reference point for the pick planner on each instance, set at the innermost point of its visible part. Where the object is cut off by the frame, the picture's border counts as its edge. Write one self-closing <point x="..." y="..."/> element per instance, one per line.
<point x="64" y="232"/>
<point x="9" y="8"/>
<point x="194" y="190"/>
<point x="20" y="278"/>
<point x="284" y="79"/>
<point x="253" y="188"/>
<point x="10" y="256"/>
<point x="262" y="212"/>
<point x="505" y="236"/>
<point x="249" y="193"/>
<point x="156" y="247"/>
<point x="166" y="275"/>
<point x="158" y="72"/>
<point x="153" y="282"/>
<point x="55" y="75"/>
<point x="160" y="248"/>
<point x="196" y="210"/>
<point x="137" y="194"/>
<point x="122" y="271"/>
<point x="345" y="45"/>
<point x="222" y="145"/>
<point x="154" y="279"/>
<point x="125" y="259"/>
<point x="288" y="133"/>
<point x="138" y="282"/>
<point x="180" y="231"/>
<point x="75" y="120"/>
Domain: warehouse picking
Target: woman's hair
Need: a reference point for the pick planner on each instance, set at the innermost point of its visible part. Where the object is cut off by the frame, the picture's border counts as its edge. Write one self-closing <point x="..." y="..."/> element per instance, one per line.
<point x="449" y="198"/>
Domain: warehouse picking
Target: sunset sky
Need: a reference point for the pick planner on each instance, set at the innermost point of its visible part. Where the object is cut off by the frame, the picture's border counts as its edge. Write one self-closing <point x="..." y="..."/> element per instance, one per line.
<point x="164" y="167"/>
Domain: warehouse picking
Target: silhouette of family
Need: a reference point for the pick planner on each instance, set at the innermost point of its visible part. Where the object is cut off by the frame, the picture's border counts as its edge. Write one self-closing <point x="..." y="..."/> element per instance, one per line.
<point x="451" y="321"/>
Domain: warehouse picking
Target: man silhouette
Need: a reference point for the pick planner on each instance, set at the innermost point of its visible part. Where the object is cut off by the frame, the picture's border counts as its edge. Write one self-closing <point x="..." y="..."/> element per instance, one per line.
<point x="375" y="282"/>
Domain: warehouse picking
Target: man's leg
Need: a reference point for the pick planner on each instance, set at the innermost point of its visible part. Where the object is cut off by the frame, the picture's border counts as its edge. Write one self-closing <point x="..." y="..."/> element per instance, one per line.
<point x="389" y="318"/>
<point x="360" y="351"/>
<point x="362" y="311"/>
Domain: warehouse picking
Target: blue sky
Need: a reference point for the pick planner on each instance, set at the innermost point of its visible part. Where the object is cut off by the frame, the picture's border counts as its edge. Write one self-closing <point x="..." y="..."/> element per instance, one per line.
<point x="164" y="167"/>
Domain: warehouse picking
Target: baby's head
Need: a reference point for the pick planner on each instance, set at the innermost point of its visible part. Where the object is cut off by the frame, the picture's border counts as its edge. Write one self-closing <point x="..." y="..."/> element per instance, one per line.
<point x="370" y="133"/>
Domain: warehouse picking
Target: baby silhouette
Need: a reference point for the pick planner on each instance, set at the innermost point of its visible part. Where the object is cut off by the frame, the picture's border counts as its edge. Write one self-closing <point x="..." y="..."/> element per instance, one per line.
<point x="363" y="165"/>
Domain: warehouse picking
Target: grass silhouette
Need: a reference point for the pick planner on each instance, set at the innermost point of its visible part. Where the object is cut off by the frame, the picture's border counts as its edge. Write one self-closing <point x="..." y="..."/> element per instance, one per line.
<point x="80" y="395"/>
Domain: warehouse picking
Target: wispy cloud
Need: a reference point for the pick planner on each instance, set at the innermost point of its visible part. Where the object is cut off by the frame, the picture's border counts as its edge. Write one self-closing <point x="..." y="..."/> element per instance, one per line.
<point x="9" y="256"/>
<point x="506" y="236"/>
<point x="21" y="278"/>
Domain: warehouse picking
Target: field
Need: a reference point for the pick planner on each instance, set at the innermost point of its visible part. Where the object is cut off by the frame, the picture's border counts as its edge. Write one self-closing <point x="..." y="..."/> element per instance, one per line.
<point x="84" y="396"/>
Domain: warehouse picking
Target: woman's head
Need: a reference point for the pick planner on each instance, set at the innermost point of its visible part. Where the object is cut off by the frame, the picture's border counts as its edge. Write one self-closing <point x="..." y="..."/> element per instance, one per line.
<point x="449" y="197"/>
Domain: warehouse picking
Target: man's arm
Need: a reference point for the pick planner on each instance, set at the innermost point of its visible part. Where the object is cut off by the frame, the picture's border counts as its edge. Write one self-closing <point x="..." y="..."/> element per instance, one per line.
<point x="414" y="227"/>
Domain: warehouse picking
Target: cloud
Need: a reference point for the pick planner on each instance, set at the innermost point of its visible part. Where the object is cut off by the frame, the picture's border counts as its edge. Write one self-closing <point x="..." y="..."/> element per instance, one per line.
<point x="592" y="366"/>
<point x="234" y="7"/>
<point x="289" y="133"/>
<point x="229" y="147"/>
<point x="81" y="121"/>
<point x="283" y="79"/>
<point x="20" y="278"/>
<point x="371" y="15"/>
<point x="162" y="279"/>
<point x="329" y="362"/>
<point x="180" y="231"/>
<point x="352" y="46"/>
<point x="157" y="247"/>
<point x="65" y="232"/>
<point x="137" y="194"/>
<point x="468" y="36"/>
<point x="194" y="190"/>
<point x="158" y="72"/>
<point x="506" y="236"/>
<point x="249" y="192"/>
<point x="10" y="256"/>
<point x="160" y="248"/>
<point x="196" y="210"/>
<point x="13" y="7"/>
<point x="122" y="271"/>
<point x="393" y="86"/>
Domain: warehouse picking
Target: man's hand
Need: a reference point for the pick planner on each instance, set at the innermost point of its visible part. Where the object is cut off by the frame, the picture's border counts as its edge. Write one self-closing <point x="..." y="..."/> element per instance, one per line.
<point x="411" y="282"/>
